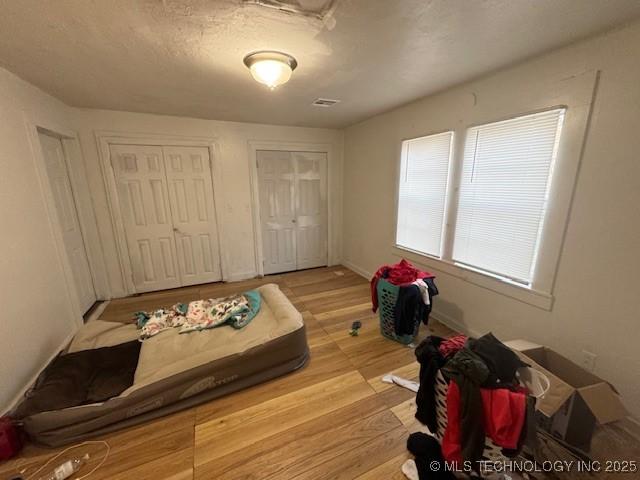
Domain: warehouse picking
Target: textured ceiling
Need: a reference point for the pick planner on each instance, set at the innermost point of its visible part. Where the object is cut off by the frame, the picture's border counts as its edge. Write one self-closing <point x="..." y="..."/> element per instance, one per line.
<point x="184" y="57"/>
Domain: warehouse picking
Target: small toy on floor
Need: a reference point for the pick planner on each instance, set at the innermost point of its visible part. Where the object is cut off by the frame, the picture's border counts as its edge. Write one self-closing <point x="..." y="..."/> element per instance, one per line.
<point x="355" y="326"/>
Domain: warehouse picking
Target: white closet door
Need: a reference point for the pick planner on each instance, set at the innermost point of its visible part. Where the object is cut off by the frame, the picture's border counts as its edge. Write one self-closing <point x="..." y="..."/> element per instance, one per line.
<point x="311" y="208"/>
<point x="276" y="183"/>
<point x="192" y="208"/>
<point x="53" y="154"/>
<point x="144" y="203"/>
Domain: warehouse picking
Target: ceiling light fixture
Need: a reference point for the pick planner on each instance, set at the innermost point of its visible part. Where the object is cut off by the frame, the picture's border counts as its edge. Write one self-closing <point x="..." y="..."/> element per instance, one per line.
<point x="270" y="68"/>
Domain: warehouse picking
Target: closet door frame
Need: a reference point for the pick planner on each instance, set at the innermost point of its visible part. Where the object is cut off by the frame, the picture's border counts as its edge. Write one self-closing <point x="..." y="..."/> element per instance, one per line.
<point x="254" y="147"/>
<point x="82" y="202"/>
<point x="105" y="140"/>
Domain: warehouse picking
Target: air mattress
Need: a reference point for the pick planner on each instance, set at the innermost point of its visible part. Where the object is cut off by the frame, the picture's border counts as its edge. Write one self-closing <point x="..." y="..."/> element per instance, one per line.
<point x="176" y="371"/>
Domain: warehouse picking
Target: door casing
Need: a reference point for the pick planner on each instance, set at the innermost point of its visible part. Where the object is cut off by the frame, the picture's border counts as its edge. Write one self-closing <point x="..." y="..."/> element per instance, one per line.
<point x="104" y="141"/>
<point x="254" y="146"/>
<point x="73" y="238"/>
<point x="86" y="217"/>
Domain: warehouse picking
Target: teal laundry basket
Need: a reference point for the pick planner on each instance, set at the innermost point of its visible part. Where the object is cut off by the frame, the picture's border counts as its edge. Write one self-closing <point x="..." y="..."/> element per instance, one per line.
<point x="387" y="297"/>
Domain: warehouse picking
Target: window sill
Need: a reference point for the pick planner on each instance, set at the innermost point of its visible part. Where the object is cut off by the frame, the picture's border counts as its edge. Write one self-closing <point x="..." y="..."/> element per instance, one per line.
<point x="504" y="287"/>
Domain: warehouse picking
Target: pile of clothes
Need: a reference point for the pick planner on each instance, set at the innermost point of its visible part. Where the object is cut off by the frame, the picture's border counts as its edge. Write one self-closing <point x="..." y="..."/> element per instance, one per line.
<point x="484" y="397"/>
<point x="236" y="311"/>
<point x="417" y="289"/>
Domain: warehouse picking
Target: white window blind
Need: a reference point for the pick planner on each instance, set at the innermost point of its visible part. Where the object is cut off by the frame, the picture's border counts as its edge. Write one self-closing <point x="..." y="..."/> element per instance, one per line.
<point x="503" y="194"/>
<point x="424" y="174"/>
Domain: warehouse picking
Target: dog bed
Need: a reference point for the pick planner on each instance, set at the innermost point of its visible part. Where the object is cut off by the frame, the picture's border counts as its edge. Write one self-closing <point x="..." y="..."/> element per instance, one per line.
<point x="176" y="371"/>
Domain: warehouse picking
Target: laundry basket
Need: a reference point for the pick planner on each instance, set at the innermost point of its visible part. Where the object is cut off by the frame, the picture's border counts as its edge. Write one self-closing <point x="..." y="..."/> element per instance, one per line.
<point x="492" y="452"/>
<point x="387" y="297"/>
<point x="535" y="381"/>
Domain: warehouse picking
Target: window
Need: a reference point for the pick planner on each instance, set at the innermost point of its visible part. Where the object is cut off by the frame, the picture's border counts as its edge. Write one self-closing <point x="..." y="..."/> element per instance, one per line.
<point x="424" y="173"/>
<point x="503" y="194"/>
<point x="498" y="193"/>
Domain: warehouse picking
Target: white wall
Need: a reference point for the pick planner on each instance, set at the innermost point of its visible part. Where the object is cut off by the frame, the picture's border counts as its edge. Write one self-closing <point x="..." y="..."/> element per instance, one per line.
<point x="37" y="313"/>
<point x="237" y="244"/>
<point x="596" y="294"/>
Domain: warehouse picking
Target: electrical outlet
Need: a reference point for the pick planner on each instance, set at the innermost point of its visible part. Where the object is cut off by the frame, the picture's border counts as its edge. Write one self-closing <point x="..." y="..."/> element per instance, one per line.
<point x="589" y="360"/>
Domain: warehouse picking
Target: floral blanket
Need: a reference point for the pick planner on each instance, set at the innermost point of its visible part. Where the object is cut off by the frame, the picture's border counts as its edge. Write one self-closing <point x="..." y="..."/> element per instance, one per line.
<point x="235" y="310"/>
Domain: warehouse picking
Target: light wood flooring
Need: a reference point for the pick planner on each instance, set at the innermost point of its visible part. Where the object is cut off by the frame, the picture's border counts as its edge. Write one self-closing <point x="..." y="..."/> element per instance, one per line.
<point x="333" y="419"/>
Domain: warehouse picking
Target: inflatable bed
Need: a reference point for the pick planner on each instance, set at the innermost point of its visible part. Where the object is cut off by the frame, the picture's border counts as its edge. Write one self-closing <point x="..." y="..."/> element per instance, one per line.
<point x="171" y="370"/>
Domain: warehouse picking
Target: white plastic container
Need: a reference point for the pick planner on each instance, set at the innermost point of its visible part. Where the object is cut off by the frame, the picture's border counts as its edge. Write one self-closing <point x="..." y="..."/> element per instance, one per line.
<point x="67" y="469"/>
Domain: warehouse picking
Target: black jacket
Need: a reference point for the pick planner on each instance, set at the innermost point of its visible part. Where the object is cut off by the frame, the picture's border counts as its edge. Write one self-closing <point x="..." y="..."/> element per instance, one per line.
<point x="411" y="309"/>
<point x="501" y="361"/>
<point x="431" y="361"/>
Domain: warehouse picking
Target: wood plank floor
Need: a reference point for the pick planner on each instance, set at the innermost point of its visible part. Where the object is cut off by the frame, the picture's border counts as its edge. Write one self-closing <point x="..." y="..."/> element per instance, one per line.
<point x="333" y="419"/>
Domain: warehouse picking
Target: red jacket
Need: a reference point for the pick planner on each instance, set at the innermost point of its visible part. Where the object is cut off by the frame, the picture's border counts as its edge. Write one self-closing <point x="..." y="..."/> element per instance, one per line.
<point x="504" y="416"/>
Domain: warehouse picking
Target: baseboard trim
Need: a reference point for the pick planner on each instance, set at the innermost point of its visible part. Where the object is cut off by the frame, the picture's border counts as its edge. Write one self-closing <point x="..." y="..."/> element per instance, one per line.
<point x="98" y="311"/>
<point x="16" y="399"/>
<point x="359" y="270"/>
<point x="453" y="324"/>
<point x="237" y="277"/>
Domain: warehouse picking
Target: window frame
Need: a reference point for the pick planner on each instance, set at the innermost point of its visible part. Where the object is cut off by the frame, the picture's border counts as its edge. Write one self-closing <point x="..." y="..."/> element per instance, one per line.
<point x="575" y="95"/>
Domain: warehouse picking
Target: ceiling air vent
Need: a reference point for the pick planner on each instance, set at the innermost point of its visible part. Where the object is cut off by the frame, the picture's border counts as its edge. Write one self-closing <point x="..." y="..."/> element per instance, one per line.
<point x="324" y="102"/>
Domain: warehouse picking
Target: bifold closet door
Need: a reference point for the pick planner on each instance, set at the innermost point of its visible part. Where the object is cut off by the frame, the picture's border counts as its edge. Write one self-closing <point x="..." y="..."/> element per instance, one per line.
<point x="144" y="205"/>
<point x="53" y="154"/>
<point x="311" y="208"/>
<point x="293" y="209"/>
<point x="192" y="207"/>
<point x="276" y="183"/>
<point x="166" y="201"/>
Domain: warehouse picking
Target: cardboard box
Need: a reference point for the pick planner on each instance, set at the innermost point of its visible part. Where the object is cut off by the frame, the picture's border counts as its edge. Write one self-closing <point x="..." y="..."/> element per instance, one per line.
<point x="576" y="399"/>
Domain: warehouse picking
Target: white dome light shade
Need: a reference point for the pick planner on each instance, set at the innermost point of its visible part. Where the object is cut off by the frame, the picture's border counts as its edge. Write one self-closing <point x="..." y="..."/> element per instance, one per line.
<point x="270" y="68"/>
<point x="271" y="72"/>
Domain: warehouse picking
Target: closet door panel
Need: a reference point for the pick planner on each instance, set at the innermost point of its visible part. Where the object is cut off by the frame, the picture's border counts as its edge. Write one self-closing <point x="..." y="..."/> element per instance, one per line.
<point x="276" y="185"/>
<point x="144" y="205"/>
<point x="311" y="209"/>
<point x="192" y="206"/>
